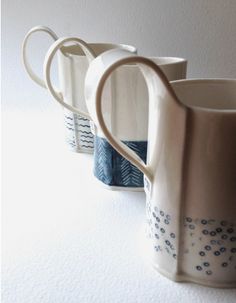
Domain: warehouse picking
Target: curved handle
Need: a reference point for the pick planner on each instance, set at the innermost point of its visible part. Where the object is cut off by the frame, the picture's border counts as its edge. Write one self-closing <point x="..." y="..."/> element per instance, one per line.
<point x="157" y="84"/>
<point x="27" y="66"/>
<point x="47" y="69"/>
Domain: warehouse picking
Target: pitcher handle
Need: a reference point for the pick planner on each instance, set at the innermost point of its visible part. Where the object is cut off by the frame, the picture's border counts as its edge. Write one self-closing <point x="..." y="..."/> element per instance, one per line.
<point x="47" y="69"/>
<point x="26" y="63"/>
<point x="94" y="89"/>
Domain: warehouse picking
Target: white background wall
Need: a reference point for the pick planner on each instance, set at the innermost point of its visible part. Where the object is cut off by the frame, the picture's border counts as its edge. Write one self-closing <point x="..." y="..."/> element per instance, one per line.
<point x="203" y="31"/>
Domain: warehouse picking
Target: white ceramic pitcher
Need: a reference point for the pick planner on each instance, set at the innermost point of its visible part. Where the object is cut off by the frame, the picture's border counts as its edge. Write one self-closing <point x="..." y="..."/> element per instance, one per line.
<point x="190" y="174"/>
<point x="77" y="128"/>
<point x="73" y="61"/>
<point x="126" y="110"/>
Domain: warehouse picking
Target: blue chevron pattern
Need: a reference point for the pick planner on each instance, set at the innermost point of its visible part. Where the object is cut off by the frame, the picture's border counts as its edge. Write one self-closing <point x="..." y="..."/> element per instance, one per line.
<point x="103" y="168"/>
<point x="113" y="169"/>
<point x="78" y="134"/>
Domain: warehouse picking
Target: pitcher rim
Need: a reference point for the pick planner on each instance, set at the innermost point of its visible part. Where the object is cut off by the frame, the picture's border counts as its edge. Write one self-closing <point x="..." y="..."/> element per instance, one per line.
<point x="177" y="60"/>
<point x="185" y="82"/>
<point x="127" y="47"/>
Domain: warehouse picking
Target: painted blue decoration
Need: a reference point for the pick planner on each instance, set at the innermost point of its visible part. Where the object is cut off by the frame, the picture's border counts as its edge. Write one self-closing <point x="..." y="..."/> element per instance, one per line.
<point x="78" y="135"/>
<point x="113" y="169"/>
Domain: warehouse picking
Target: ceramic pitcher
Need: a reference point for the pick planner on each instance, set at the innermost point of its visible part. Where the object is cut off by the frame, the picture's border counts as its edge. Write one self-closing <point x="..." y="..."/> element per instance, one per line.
<point x="126" y="109"/>
<point x="190" y="171"/>
<point x="73" y="61"/>
<point x="127" y="113"/>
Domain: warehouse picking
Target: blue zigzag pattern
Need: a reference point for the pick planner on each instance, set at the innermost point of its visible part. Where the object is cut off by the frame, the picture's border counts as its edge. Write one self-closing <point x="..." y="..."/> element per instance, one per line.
<point x="113" y="169"/>
<point x="78" y="131"/>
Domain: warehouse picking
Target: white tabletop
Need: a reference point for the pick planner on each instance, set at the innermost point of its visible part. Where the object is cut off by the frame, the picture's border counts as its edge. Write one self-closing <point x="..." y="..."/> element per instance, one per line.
<point x="67" y="239"/>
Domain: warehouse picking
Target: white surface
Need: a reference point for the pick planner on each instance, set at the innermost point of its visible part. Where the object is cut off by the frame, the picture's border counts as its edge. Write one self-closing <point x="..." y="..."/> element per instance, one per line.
<point x="203" y="31"/>
<point x="65" y="238"/>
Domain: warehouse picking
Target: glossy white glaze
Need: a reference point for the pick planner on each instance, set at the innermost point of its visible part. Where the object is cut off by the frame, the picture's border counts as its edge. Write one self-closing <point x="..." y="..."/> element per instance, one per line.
<point x="73" y="61"/>
<point x="125" y="95"/>
<point x="190" y="171"/>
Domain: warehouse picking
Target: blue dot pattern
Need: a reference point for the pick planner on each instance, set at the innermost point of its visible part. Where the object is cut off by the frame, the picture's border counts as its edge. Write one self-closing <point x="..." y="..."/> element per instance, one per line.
<point x="216" y="239"/>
